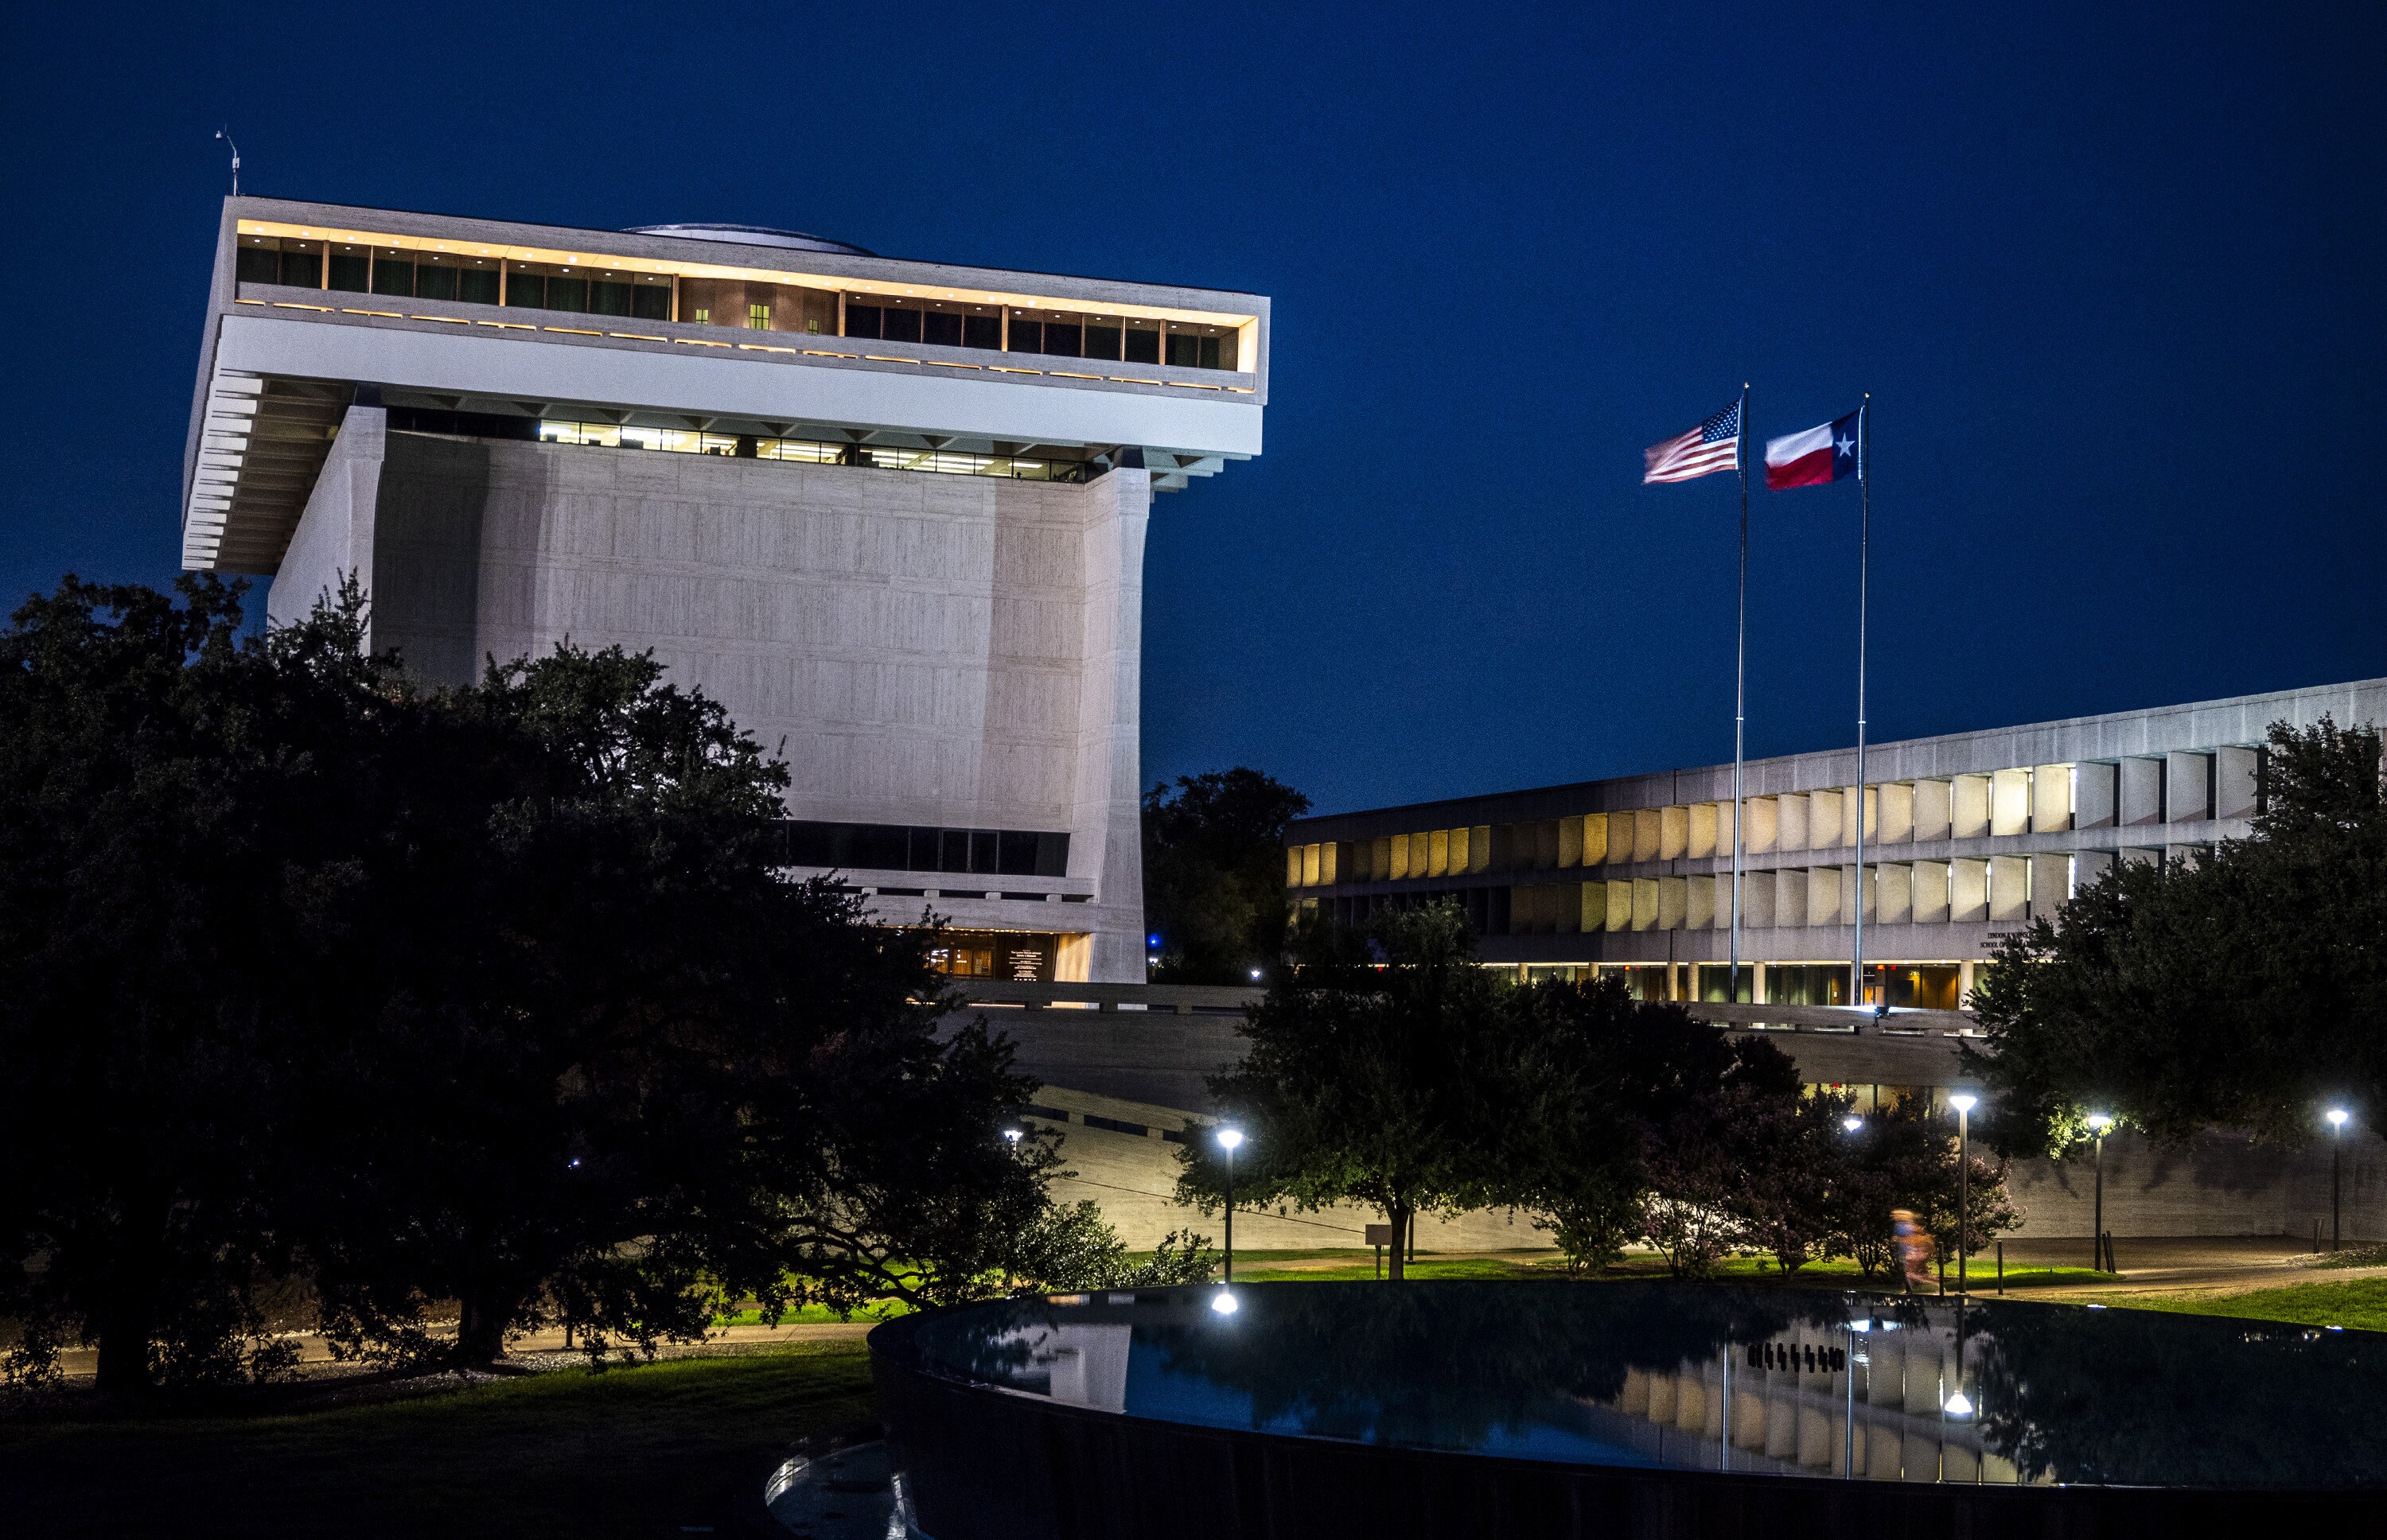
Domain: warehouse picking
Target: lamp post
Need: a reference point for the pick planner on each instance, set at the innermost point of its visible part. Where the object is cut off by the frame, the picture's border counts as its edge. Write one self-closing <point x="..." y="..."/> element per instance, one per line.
<point x="2099" y="1122"/>
<point x="1228" y="1139"/>
<point x="1963" y="1102"/>
<point x="2336" y="1170"/>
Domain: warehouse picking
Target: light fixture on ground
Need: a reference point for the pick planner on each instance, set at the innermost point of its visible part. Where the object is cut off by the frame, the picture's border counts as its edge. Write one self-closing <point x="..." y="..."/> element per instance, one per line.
<point x="2336" y="1170"/>
<point x="1852" y="1122"/>
<point x="2098" y="1123"/>
<point x="1963" y="1102"/>
<point x="1228" y="1139"/>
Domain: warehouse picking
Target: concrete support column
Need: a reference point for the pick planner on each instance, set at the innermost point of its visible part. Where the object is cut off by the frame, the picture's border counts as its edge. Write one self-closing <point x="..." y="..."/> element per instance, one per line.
<point x="2237" y="780"/>
<point x="2009" y="888"/>
<point x="2010" y="802"/>
<point x="1764" y="826"/>
<point x="2051" y="884"/>
<point x="1929" y="892"/>
<point x="1894" y="889"/>
<point x="1896" y="801"/>
<point x="1969" y="891"/>
<point x="1932" y="800"/>
<point x="2141" y="794"/>
<point x="1828" y="824"/>
<point x="2093" y="794"/>
<point x="1969" y="807"/>
<point x="2188" y="787"/>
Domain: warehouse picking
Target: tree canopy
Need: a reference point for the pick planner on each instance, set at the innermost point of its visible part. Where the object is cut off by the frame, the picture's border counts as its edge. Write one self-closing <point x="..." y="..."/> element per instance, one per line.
<point x="489" y="996"/>
<point x="2247" y="990"/>
<point x="1393" y="1088"/>
<point x="1214" y="874"/>
<point x="1397" y="1073"/>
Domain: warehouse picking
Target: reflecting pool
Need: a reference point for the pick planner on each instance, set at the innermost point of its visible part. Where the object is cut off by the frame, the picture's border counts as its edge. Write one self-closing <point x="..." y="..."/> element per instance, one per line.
<point x="1659" y="1377"/>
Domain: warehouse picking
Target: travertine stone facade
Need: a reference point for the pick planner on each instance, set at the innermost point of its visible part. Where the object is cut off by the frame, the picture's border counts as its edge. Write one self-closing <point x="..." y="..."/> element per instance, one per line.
<point x="922" y="649"/>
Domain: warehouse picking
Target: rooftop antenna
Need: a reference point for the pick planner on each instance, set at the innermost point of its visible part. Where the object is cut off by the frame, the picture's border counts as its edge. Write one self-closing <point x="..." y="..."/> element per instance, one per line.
<point x="225" y="134"/>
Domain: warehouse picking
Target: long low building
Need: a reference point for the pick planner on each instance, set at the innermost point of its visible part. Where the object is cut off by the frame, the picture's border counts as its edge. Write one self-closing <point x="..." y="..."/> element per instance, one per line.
<point x="1967" y="837"/>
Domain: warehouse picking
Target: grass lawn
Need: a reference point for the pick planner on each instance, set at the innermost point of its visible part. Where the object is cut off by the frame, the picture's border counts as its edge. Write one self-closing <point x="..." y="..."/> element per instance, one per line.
<point x="2360" y="1304"/>
<point x="655" y="1449"/>
<point x="1837" y="1274"/>
<point x="1424" y="1267"/>
<point x="814" y="1315"/>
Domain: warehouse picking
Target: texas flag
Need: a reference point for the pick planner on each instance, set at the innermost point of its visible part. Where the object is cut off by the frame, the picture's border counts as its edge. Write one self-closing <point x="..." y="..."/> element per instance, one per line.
<point x="1819" y="455"/>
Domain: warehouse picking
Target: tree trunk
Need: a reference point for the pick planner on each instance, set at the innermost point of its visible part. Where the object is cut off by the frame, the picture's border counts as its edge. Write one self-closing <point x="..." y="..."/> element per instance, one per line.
<point x="481" y="1330"/>
<point x="126" y="1320"/>
<point x="1401" y="1219"/>
<point x="125" y="1328"/>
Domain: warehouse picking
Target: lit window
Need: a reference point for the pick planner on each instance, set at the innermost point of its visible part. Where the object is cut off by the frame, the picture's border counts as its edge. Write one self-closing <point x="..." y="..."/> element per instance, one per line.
<point x="703" y="317"/>
<point x="758" y="316"/>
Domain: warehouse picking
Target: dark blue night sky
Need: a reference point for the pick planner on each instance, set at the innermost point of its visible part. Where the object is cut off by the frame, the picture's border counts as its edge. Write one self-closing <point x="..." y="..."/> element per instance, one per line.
<point x="2112" y="278"/>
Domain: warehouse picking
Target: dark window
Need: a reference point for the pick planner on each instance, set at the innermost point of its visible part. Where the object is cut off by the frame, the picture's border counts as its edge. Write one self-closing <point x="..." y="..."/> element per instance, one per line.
<point x="1026" y="336"/>
<point x="810" y="842"/>
<point x="1017" y="856"/>
<point x="433" y="283"/>
<point x="881" y="847"/>
<point x="651" y="302"/>
<point x="1103" y="342"/>
<point x="393" y="275"/>
<point x="606" y="298"/>
<point x="525" y="289"/>
<point x="567" y="294"/>
<point x="1184" y="352"/>
<point x="351" y="274"/>
<point x="1062" y="341"/>
<point x="1050" y="1115"/>
<point x="257" y="264"/>
<point x="464" y="424"/>
<point x="983" y="331"/>
<point x="303" y="270"/>
<point x="1208" y="358"/>
<point x="1143" y="345"/>
<point x="861" y="321"/>
<point x="1117" y="1126"/>
<point x="940" y="329"/>
<point x="900" y="325"/>
<point x="477" y="286"/>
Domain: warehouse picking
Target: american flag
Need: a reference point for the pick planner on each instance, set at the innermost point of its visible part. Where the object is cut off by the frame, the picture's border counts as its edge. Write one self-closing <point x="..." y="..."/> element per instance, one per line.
<point x="1713" y="445"/>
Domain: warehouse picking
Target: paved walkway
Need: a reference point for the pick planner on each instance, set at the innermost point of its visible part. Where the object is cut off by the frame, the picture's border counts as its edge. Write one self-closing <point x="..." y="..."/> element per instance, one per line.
<point x="2194" y="1265"/>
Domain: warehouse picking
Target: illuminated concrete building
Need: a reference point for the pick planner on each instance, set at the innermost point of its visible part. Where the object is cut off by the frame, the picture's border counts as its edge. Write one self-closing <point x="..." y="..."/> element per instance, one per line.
<point x="891" y="513"/>
<point x="1967" y="837"/>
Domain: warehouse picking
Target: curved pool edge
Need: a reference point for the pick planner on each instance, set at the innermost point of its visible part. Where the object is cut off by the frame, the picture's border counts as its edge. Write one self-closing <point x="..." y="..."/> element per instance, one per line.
<point x="981" y="1462"/>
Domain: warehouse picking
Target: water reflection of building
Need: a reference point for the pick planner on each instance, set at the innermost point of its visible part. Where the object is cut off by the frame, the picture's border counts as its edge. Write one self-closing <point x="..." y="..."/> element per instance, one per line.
<point x="1791" y="1408"/>
<point x="1080" y="1365"/>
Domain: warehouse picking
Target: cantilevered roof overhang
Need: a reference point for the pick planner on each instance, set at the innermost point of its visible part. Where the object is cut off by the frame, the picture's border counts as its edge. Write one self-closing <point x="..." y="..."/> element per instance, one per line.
<point x="280" y="366"/>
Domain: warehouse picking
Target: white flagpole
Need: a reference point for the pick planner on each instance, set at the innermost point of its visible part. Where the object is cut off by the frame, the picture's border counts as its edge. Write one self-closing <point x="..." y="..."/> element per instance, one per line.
<point x="1864" y="552"/>
<point x="1740" y="697"/>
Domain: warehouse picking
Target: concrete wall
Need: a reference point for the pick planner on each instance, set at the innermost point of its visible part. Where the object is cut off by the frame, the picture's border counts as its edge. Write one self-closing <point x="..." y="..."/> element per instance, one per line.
<point x="950" y="650"/>
<point x="1156" y="1066"/>
<point x="2220" y="1185"/>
